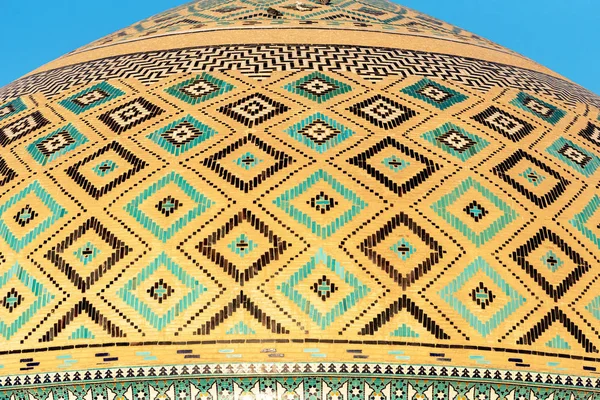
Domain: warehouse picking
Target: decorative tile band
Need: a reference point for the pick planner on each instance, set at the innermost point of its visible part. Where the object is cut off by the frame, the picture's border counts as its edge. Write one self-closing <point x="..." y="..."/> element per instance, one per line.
<point x="282" y="381"/>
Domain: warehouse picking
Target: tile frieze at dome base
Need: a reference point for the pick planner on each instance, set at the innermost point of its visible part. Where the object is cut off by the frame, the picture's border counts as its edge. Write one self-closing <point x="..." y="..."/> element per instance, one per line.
<point x="280" y="199"/>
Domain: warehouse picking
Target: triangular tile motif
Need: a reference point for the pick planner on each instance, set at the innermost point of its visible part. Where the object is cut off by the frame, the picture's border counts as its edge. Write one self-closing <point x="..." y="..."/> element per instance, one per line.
<point x="404" y="331"/>
<point x="242" y="301"/>
<point x="84" y="310"/>
<point x="558" y="343"/>
<point x="583" y="220"/>
<point x="241" y="328"/>
<point x="594" y="307"/>
<point x="242" y="325"/>
<point x="404" y="305"/>
<point x="6" y="173"/>
<point x="82" y="333"/>
<point x="290" y="388"/>
<point x="557" y="316"/>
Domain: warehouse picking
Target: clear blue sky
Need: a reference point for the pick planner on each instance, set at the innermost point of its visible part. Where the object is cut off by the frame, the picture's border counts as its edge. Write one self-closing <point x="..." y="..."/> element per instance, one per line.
<point x="563" y="35"/>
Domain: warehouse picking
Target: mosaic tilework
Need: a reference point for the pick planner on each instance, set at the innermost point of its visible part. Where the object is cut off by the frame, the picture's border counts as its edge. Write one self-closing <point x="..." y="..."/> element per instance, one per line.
<point x="482" y="297"/>
<point x="504" y="213"/>
<point x="504" y="123"/>
<point x="574" y="156"/>
<point x="286" y="202"/>
<point x="83" y="309"/>
<point x="404" y="249"/>
<point x="11" y="108"/>
<point x="26" y="310"/>
<point x="201" y="88"/>
<point x="257" y="256"/>
<point x="591" y="133"/>
<point x="581" y="220"/>
<point x="456" y="141"/>
<point x="539" y="108"/>
<point x="382" y="112"/>
<point x="136" y="208"/>
<point x="91" y="97"/>
<point x="161" y="291"/>
<point x="319" y="132"/>
<point x="390" y="381"/>
<point x="323" y="287"/>
<point x="85" y="269"/>
<point x="253" y="110"/>
<point x="306" y="220"/>
<point x="534" y="175"/>
<point x="425" y="167"/>
<point x="318" y="87"/>
<point x="102" y="164"/>
<point x="48" y="148"/>
<point x="556" y="288"/>
<point x="24" y="126"/>
<point x="130" y="115"/>
<point x="253" y="170"/>
<point x="435" y="94"/>
<point x="182" y="135"/>
<point x="35" y="222"/>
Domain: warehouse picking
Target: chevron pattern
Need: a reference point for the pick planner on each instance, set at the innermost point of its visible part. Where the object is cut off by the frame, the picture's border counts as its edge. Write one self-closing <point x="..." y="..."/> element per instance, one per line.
<point x="372" y="63"/>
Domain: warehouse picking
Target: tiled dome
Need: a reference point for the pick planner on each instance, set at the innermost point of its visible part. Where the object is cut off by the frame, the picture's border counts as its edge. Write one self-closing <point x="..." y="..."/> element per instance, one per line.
<point x="341" y="200"/>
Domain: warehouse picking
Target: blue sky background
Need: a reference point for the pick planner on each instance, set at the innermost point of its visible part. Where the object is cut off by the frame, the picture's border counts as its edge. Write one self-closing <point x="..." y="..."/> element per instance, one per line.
<point x="563" y="35"/>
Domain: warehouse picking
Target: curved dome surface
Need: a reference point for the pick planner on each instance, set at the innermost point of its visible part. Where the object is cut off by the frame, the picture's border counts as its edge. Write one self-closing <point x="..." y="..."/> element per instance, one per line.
<point x="339" y="199"/>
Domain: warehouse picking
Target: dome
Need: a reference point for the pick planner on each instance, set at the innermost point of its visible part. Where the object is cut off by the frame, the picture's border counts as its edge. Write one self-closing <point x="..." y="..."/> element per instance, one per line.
<point x="281" y="199"/>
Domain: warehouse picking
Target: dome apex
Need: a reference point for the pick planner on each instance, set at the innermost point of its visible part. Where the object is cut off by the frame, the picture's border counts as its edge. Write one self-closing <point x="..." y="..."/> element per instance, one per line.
<point x="343" y="22"/>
